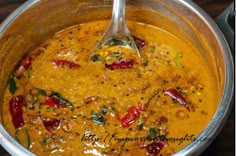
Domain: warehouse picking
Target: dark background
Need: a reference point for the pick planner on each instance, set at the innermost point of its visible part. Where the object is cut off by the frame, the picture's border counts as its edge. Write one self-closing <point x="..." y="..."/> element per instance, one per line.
<point x="224" y="144"/>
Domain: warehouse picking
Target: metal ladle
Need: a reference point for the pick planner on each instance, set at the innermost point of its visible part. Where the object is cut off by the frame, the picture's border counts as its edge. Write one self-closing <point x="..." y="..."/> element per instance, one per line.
<point x="117" y="33"/>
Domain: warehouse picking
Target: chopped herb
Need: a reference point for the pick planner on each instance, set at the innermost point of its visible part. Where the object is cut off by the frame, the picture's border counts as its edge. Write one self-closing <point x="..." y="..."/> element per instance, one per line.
<point x="23" y="137"/>
<point x="50" y="109"/>
<point x="122" y="147"/>
<point x="12" y="84"/>
<point x="99" y="118"/>
<point x="181" y="90"/>
<point x="141" y="123"/>
<point x="178" y="59"/>
<point x="95" y="58"/>
<point x="116" y="55"/>
<point x="114" y="41"/>
<point x="74" y="117"/>
<point x="140" y="127"/>
<point x="203" y="112"/>
<point x="126" y="40"/>
<point x="45" y="140"/>
<point x="41" y="105"/>
<point x="169" y="62"/>
<point x="27" y="74"/>
<point x="47" y="144"/>
<point x="152" y="48"/>
<point x="104" y="110"/>
<point x="112" y="105"/>
<point x="41" y="91"/>
<point x="152" y="112"/>
<point x="164" y="82"/>
<point x="145" y="63"/>
<point x="34" y="103"/>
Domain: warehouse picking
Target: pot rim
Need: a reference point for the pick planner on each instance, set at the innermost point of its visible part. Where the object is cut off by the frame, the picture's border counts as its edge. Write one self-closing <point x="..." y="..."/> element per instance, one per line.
<point x="214" y="126"/>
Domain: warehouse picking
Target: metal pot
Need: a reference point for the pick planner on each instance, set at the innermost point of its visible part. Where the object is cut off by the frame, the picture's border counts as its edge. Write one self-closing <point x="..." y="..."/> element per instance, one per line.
<point x="34" y="21"/>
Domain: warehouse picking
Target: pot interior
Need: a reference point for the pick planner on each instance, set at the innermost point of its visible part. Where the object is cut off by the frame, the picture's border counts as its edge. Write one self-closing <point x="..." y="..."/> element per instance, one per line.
<point x="37" y="20"/>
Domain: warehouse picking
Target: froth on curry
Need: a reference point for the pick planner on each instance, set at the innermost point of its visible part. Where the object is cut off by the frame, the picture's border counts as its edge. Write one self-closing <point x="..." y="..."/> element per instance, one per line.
<point x="60" y="100"/>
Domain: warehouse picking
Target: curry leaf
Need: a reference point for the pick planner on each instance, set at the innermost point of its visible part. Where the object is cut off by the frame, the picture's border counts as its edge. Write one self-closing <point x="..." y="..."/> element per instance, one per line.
<point x="22" y="136"/>
<point x="12" y="84"/>
<point x="152" y="134"/>
<point x="98" y="118"/>
<point x="41" y="91"/>
<point x="58" y="95"/>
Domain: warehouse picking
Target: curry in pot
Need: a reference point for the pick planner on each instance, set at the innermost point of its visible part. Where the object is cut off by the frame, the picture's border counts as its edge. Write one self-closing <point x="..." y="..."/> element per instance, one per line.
<point x="62" y="101"/>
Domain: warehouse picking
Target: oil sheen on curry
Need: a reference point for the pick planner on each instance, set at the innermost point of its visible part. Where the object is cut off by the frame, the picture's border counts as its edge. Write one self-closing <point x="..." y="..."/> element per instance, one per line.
<point x="60" y="100"/>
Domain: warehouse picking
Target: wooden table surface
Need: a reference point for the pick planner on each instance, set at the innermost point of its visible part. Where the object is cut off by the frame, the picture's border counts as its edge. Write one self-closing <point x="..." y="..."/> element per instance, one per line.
<point x="224" y="143"/>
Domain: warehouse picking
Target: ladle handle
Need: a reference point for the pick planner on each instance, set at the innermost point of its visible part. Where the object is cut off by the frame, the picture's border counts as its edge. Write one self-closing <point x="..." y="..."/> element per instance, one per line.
<point x="118" y="18"/>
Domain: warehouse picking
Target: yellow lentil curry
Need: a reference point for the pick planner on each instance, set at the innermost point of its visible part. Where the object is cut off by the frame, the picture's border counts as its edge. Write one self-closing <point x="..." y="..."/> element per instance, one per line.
<point x="60" y="100"/>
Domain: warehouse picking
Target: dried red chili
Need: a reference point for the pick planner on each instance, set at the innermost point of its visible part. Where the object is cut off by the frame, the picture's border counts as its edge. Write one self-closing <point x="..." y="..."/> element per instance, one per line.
<point x="132" y="115"/>
<point x="65" y="64"/>
<point x="15" y="106"/>
<point x="139" y="42"/>
<point x="155" y="147"/>
<point x="24" y="65"/>
<point x="161" y="120"/>
<point x="55" y="102"/>
<point x="173" y="93"/>
<point x="121" y="64"/>
<point x="51" y="124"/>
